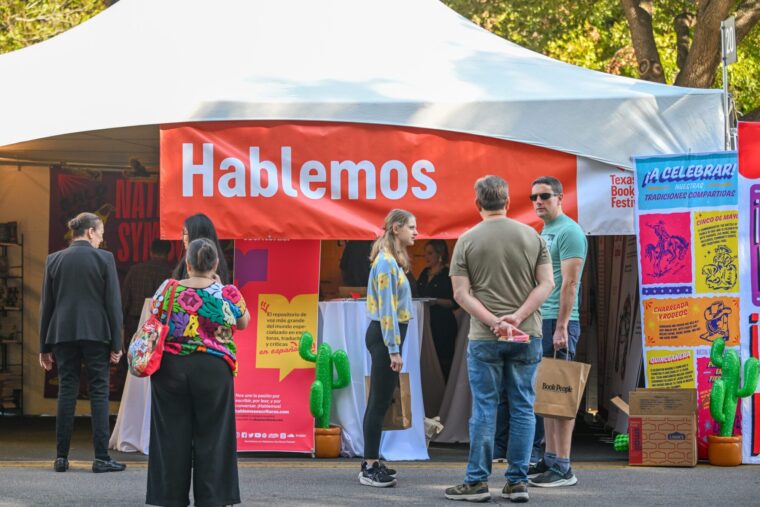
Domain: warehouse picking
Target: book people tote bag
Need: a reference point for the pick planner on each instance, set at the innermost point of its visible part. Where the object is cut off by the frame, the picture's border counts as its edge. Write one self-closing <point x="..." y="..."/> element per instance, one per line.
<point x="559" y="387"/>
<point x="399" y="414"/>
<point x="147" y="347"/>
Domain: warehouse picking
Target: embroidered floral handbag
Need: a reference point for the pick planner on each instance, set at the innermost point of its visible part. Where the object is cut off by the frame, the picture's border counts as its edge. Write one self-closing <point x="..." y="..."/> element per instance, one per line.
<point x="147" y="347"/>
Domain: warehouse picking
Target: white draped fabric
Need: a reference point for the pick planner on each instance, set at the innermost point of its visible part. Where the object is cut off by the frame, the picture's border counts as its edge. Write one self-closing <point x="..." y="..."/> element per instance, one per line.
<point x="132" y="430"/>
<point x="343" y="325"/>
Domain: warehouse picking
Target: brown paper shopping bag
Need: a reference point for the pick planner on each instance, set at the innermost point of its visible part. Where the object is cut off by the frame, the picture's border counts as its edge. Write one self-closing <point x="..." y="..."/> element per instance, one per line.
<point x="399" y="415"/>
<point x="559" y="387"/>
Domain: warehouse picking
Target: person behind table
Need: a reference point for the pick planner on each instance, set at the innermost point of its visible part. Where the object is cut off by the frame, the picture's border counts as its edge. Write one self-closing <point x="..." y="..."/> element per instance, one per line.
<point x="200" y="226"/>
<point x="141" y="282"/>
<point x="80" y="322"/>
<point x="354" y="263"/>
<point x="389" y="306"/>
<point x="192" y="420"/>
<point x="434" y="282"/>
<point x="501" y="273"/>
<point x="561" y="322"/>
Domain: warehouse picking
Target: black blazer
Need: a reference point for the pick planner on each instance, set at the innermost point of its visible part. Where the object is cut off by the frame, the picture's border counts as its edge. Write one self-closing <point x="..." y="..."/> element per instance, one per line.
<point x="80" y="298"/>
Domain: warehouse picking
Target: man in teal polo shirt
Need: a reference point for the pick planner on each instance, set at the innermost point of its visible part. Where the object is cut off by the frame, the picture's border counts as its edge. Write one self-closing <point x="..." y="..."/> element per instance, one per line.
<point x="561" y="327"/>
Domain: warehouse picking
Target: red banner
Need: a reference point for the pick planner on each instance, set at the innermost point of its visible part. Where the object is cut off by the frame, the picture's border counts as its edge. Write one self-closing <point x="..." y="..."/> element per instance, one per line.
<point x="749" y="150"/>
<point x="280" y="283"/>
<point x="338" y="181"/>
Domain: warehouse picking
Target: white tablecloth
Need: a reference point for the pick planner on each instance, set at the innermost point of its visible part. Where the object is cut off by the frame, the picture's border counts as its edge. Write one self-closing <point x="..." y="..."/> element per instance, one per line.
<point x="132" y="430"/>
<point x="343" y="324"/>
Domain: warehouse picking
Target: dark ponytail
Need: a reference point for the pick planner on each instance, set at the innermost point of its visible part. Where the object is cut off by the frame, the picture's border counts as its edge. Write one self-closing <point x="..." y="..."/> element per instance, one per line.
<point x="202" y="255"/>
<point x="83" y="221"/>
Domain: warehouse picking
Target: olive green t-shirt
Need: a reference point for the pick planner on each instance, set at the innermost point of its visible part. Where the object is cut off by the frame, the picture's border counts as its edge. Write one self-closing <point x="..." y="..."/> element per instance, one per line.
<point x="499" y="256"/>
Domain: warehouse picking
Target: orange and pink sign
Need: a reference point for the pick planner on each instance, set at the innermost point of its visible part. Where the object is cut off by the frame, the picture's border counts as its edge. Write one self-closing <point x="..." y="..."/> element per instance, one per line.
<point x="280" y="282"/>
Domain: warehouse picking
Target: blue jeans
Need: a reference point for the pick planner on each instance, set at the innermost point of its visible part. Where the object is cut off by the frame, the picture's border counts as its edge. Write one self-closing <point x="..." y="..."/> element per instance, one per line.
<point x="488" y="362"/>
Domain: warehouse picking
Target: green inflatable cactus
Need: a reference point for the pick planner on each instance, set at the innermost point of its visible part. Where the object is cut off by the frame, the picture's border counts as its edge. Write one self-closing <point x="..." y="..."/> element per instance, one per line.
<point x="320" y="399"/>
<point x="725" y="390"/>
<point x="621" y="442"/>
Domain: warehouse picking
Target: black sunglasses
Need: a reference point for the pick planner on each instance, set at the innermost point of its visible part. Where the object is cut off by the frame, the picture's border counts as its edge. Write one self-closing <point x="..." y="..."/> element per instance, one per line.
<point x="544" y="196"/>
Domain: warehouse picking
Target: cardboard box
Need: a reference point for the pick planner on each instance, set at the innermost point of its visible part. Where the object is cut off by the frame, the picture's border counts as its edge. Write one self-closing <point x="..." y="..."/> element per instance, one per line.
<point x="662" y="427"/>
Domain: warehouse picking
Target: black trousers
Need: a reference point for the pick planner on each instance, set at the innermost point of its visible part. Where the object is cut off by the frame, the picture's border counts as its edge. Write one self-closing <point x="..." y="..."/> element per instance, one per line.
<point x="192" y="432"/>
<point x="69" y="358"/>
<point x="383" y="382"/>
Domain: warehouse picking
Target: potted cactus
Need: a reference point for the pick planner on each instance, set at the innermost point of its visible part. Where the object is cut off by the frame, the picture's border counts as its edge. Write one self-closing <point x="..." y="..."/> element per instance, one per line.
<point x="725" y="449"/>
<point x="326" y="437"/>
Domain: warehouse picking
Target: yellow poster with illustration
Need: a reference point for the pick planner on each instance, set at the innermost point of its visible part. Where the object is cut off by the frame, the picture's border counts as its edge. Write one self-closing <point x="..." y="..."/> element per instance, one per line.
<point x="716" y="240"/>
<point x="670" y="369"/>
<point x="691" y="322"/>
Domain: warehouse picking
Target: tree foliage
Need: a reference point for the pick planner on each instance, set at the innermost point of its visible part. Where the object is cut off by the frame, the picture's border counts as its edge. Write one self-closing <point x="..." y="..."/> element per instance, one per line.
<point x="26" y="22"/>
<point x="670" y="41"/>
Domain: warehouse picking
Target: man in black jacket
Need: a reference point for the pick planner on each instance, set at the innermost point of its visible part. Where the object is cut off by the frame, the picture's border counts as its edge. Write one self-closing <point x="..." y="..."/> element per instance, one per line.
<point x="81" y="322"/>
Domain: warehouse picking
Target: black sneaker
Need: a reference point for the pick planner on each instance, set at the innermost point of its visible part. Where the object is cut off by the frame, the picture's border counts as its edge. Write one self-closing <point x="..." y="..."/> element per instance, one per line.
<point x="553" y="478"/>
<point x="477" y="492"/>
<point x="61" y="464"/>
<point x="375" y="476"/>
<point x="388" y="471"/>
<point x="536" y="469"/>
<point x="100" y="466"/>
<point x="517" y="492"/>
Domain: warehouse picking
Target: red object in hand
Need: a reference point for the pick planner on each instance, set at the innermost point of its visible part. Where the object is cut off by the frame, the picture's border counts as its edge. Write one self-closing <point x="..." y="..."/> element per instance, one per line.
<point x="517" y="336"/>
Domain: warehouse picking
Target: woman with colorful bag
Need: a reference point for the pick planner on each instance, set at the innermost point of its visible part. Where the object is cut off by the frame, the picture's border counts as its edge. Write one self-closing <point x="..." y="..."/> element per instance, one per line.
<point x="192" y="430"/>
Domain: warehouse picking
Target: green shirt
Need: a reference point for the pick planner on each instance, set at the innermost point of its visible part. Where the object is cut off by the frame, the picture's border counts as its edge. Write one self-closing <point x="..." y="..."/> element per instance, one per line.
<point x="565" y="240"/>
<point x="499" y="256"/>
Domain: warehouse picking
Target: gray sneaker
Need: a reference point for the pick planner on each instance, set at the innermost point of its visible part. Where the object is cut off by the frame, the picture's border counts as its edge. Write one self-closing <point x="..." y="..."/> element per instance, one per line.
<point x="477" y="492"/>
<point x="517" y="492"/>
<point x="553" y="478"/>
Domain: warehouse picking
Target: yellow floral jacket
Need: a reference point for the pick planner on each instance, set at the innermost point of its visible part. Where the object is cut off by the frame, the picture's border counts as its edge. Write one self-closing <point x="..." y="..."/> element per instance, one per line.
<point x="389" y="299"/>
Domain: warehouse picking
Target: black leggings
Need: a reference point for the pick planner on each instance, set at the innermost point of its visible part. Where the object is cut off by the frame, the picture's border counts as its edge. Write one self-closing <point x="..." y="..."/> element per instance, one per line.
<point x="383" y="382"/>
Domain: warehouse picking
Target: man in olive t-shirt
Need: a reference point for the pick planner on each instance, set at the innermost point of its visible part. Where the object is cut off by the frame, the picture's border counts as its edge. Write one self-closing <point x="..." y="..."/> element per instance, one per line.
<point x="501" y="274"/>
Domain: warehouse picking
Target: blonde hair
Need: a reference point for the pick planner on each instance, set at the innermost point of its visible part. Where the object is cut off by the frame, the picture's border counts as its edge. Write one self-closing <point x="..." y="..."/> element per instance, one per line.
<point x="388" y="241"/>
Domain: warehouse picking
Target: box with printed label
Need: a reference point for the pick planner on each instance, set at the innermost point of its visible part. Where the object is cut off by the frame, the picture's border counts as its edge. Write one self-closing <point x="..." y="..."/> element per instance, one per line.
<point x="662" y="427"/>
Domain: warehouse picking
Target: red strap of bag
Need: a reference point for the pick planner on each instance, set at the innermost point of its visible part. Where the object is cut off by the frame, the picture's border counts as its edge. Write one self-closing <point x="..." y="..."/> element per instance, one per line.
<point x="168" y="312"/>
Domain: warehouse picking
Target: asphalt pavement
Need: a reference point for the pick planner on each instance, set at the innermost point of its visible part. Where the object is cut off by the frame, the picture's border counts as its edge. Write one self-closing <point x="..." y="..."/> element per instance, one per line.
<point x="27" y="478"/>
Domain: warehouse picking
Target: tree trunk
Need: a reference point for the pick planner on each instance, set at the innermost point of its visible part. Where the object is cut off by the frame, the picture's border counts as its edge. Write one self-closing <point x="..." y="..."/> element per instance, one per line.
<point x="639" y="15"/>
<point x="682" y="24"/>
<point x="704" y="55"/>
<point x="747" y="15"/>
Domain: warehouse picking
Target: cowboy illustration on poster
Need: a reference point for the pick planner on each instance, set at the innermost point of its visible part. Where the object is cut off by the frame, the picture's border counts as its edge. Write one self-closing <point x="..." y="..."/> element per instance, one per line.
<point x="665" y="242"/>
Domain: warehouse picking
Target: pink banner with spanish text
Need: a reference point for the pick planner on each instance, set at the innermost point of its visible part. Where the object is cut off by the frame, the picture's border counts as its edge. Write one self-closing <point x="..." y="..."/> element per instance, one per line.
<point x="280" y="282"/>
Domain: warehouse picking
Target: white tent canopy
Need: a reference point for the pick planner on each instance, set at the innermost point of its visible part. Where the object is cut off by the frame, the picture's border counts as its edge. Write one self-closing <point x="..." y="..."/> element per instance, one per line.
<point x="97" y="93"/>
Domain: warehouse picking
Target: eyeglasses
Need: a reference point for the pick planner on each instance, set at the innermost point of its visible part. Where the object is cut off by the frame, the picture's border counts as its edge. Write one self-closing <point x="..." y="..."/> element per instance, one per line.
<point x="544" y="196"/>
